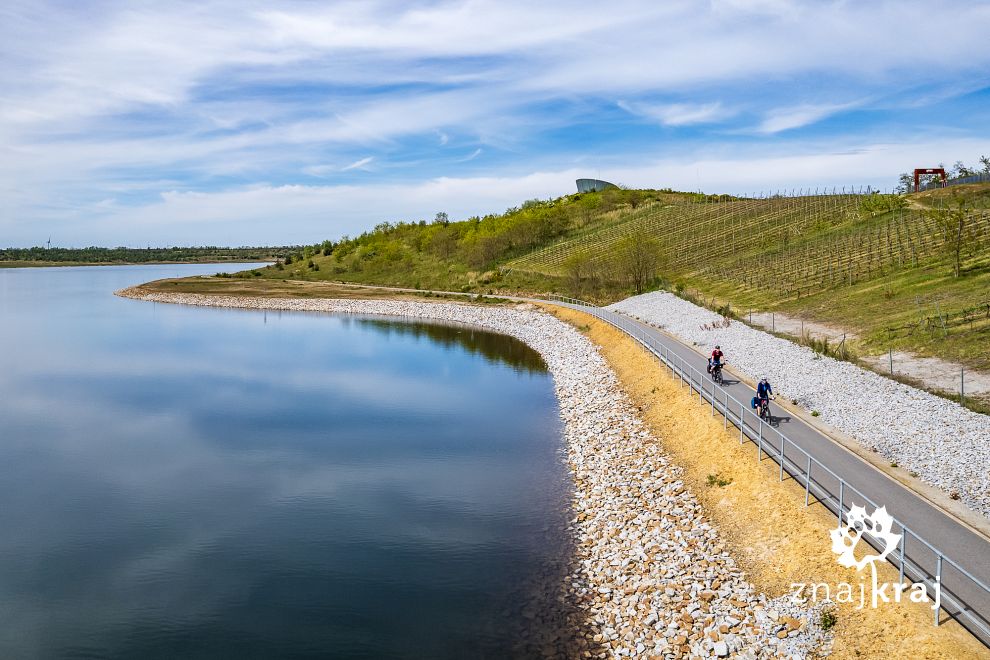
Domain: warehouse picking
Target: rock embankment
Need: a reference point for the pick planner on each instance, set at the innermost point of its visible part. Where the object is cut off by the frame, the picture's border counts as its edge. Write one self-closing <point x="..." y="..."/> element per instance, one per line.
<point x="652" y="576"/>
<point x="947" y="445"/>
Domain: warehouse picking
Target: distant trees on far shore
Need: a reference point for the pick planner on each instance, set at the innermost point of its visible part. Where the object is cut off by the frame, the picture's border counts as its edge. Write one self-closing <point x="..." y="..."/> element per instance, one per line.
<point x="143" y="255"/>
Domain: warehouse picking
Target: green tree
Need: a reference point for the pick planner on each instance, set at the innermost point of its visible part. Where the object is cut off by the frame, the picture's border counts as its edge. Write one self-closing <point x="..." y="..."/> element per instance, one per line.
<point x="637" y="259"/>
<point x="579" y="267"/>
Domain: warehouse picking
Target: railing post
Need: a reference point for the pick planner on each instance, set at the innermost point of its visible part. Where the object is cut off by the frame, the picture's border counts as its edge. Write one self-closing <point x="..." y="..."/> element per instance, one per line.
<point x="742" y="424"/>
<point x="725" y="410"/>
<point x="781" y="456"/>
<point x="842" y="493"/>
<point x="904" y="533"/>
<point x="759" y="445"/>
<point x="807" y="482"/>
<point x="938" y="582"/>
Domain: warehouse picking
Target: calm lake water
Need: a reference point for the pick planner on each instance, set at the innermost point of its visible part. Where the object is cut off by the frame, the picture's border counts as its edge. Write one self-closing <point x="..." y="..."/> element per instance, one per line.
<point x="195" y="482"/>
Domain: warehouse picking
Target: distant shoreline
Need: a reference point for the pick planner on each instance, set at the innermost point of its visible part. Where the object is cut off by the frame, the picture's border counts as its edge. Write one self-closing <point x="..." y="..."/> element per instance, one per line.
<point x="56" y="264"/>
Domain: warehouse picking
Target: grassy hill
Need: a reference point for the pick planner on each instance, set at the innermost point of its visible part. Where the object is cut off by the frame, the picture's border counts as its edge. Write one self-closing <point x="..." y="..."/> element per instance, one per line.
<point x="883" y="266"/>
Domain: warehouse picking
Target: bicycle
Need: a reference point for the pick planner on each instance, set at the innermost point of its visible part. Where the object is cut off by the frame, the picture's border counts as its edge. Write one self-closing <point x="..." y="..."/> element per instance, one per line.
<point x="763" y="409"/>
<point x="717" y="374"/>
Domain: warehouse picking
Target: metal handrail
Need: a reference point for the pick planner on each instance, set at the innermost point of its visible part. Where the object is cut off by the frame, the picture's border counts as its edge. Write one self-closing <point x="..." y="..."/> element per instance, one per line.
<point x="778" y="453"/>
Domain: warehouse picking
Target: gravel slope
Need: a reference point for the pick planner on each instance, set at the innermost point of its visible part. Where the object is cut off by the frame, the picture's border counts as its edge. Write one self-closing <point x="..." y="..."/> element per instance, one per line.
<point x="652" y="575"/>
<point x="946" y="444"/>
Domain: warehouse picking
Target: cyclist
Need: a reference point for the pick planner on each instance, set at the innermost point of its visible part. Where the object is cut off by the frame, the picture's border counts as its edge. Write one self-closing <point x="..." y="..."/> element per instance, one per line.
<point x="716" y="358"/>
<point x="763" y="393"/>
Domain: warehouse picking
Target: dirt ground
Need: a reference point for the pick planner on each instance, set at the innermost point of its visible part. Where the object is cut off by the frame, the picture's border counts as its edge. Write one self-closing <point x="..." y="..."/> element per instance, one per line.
<point x="777" y="322"/>
<point x="773" y="536"/>
<point x="935" y="373"/>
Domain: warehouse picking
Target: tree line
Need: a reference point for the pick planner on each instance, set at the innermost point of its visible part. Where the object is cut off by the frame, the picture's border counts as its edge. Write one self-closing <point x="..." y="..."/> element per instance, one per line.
<point x="143" y="255"/>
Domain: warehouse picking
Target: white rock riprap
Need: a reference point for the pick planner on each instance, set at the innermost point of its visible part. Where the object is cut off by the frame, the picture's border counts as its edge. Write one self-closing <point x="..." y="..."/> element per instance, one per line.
<point x="651" y="575"/>
<point x="946" y="444"/>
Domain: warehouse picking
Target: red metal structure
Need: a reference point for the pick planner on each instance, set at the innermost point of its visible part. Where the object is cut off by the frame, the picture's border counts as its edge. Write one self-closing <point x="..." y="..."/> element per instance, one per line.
<point x="927" y="170"/>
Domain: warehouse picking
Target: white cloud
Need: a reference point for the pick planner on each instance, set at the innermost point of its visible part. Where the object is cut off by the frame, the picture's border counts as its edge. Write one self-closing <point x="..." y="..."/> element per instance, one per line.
<point x="266" y="214"/>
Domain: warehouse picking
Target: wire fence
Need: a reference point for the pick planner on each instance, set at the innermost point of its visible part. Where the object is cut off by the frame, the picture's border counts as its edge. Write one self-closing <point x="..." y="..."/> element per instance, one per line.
<point x="958" y="181"/>
<point x="915" y="558"/>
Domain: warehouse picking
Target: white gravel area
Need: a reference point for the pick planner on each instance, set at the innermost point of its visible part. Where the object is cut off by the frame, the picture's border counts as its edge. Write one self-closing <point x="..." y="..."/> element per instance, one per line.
<point x="651" y="574"/>
<point x="947" y="445"/>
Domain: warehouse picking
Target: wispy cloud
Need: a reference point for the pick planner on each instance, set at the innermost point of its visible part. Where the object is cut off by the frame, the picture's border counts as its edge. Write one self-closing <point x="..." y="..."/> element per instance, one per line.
<point x="679" y="114"/>
<point x="360" y="164"/>
<point x="785" y="119"/>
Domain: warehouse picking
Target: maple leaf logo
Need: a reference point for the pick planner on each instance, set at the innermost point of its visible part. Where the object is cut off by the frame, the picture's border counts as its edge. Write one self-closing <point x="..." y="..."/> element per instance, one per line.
<point x="846" y="537"/>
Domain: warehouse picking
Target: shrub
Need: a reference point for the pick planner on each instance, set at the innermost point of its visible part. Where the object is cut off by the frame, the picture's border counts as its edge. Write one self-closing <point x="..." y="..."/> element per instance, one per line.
<point x="718" y="480"/>
<point x="828" y="620"/>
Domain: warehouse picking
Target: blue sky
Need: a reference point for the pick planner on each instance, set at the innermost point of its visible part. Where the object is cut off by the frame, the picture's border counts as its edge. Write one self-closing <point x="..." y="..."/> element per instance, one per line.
<point x="233" y="123"/>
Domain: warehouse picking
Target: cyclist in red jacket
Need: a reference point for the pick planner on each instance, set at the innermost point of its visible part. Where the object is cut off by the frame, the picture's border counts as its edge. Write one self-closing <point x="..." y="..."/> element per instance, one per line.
<point x="716" y="359"/>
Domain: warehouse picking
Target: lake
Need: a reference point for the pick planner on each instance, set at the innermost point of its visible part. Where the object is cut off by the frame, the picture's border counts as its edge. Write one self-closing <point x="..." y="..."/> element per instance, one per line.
<point x="195" y="482"/>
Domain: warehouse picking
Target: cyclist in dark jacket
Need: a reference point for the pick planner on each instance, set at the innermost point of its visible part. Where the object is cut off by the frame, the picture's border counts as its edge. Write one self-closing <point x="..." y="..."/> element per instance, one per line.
<point x="763" y="390"/>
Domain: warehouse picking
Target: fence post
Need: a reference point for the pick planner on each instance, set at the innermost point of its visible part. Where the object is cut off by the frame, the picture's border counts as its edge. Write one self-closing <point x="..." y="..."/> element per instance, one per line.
<point x="807" y="483"/>
<point x="890" y="354"/>
<point x="962" y="385"/>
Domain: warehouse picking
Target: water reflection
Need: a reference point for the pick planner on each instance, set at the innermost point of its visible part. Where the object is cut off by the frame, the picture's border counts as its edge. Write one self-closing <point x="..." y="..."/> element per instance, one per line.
<point x="188" y="482"/>
<point x="491" y="346"/>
